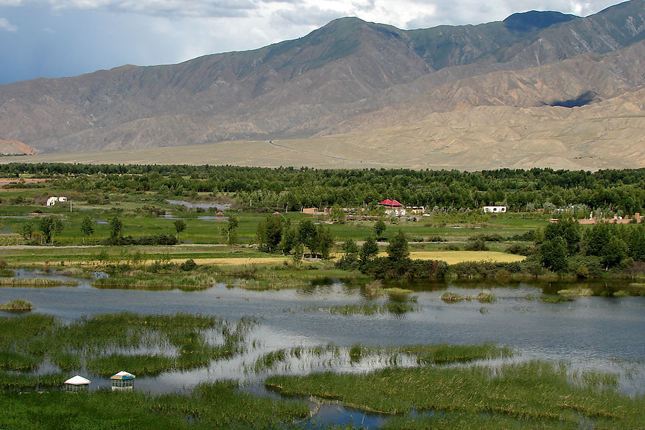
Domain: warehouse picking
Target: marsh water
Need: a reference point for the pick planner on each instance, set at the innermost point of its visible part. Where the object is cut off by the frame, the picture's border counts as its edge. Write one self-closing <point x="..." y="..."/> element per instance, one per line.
<point x="589" y="333"/>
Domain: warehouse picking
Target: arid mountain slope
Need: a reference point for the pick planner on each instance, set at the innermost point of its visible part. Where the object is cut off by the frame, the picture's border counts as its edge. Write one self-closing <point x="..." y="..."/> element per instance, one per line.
<point x="12" y="147"/>
<point x="349" y="79"/>
<point x="607" y="134"/>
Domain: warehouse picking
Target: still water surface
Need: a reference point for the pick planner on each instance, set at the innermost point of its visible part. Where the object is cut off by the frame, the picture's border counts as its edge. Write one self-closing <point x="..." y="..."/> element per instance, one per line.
<point x="590" y="333"/>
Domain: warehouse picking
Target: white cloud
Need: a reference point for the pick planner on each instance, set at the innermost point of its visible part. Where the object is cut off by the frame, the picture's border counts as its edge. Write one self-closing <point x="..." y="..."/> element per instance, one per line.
<point x="397" y="13"/>
<point x="93" y="34"/>
<point x="6" y="25"/>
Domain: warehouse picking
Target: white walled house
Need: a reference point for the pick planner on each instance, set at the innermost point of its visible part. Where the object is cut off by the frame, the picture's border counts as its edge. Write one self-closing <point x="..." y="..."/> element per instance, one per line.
<point x="495" y="209"/>
<point x="53" y="200"/>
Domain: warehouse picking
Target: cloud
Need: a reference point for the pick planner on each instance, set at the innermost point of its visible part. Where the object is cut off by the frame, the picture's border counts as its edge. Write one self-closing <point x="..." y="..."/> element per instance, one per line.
<point x="6" y="25"/>
<point x="165" y="8"/>
<point x="53" y="38"/>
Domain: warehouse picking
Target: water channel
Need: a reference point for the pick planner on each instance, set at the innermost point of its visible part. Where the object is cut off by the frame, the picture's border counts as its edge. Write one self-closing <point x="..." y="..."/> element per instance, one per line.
<point x="590" y="333"/>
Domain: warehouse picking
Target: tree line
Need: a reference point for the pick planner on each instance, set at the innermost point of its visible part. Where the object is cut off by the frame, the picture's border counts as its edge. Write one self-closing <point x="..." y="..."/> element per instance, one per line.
<point x="615" y="191"/>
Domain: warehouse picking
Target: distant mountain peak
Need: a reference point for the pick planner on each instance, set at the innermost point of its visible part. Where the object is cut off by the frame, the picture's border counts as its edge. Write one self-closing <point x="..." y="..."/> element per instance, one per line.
<point x="533" y="20"/>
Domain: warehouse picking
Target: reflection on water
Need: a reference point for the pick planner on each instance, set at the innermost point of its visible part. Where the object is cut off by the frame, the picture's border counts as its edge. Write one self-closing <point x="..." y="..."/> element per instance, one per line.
<point x="591" y="333"/>
<point x="201" y="218"/>
<point x="205" y="206"/>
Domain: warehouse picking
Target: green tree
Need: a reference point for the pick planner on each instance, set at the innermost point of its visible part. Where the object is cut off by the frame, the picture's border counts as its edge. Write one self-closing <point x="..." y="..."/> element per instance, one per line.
<point x="116" y="228"/>
<point x="369" y="250"/>
<point x="597" y="238"/>
<point x="569" y="230"/>
<point x="324" y="241"/>
<point x="614" y="252"/>
<point x="27" y="230"/>
<point x="553" y="254"/>
<point x="637" y="243"/>
<point x="46" y="227"/>
<point x="338" y="214"/>
<point x="269" y="233"/>
<point x="87" y="227"/>
<point x="307" y="235"/>
<point x="231" y="230"/>
<point x="289" y="240"/>
<point x="298" y="254"/>
<point x="379" y="228"/>
<point x="398" y="250"/>
<point x="349" y="260"/>
<point x="180" y="225"/>
<point x="58" y="228"/>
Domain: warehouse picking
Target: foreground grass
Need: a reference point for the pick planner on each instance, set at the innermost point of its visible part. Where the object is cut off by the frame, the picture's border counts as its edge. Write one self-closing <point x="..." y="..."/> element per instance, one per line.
<point x="526" y="395"/>
<point x="217" y="405"/>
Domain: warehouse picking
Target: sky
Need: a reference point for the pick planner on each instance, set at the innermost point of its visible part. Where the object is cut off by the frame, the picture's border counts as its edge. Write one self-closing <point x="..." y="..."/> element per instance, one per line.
<point x="56" y="38"/>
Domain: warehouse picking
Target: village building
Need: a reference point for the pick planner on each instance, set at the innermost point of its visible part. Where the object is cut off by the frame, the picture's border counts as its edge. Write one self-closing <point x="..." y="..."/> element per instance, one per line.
<point x="393" y="207"/>
<point x="615" y="220"/>
<point x="53" y="200"/>
<point x="416" y="210"/>
<point x="495" y="209"/>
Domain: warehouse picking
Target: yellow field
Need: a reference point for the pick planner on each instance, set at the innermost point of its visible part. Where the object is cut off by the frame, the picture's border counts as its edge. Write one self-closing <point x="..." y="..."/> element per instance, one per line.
<point x="238" y="261"/>
<point x="453" y="257"/>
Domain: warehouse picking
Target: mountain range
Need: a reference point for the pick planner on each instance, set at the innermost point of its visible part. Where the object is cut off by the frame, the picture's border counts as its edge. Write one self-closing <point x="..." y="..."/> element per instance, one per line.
<point x="539" y="89"/>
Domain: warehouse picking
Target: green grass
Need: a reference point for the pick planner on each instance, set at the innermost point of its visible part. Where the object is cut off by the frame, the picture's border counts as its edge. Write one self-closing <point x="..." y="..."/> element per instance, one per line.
<point x="208" y="406"/>
<point x="542" y="394"/>
<point x="144" y="280"/>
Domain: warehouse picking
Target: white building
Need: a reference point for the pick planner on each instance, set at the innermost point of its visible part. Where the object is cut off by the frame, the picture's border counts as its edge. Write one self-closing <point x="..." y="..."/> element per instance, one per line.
<point x="495" y="209"/>
<point x="52" y="200"/>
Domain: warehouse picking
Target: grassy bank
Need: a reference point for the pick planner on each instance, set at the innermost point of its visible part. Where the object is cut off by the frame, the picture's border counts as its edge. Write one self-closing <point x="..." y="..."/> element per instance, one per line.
<point x="526" y="395"/>
<point x="216" y="405"/>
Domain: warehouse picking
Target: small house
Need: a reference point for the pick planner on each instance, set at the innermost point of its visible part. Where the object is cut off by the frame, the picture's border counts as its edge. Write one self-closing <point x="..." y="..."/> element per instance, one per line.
<point x="495" y="209"/>
<point x="77" y="383"/>
<point x="393" y="207"/>
<point x="122" y="381"/>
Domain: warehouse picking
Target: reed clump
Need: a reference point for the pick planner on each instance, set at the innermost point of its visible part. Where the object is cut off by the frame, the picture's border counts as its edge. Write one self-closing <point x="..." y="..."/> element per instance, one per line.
<point x="398" y="308"/>
<point x="17" y="306"/>
<point x="36" y="282"/>
<point x="555" y="299"/>
<point x="486" y="297"/>
<point x="576" y="292"/>
<point x="450" y="297"/>
<point x="143" y="280"/>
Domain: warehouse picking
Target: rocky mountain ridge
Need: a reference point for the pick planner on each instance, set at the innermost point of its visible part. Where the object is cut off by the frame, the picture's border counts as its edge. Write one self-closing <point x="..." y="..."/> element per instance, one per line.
<point x="347" y="77"/>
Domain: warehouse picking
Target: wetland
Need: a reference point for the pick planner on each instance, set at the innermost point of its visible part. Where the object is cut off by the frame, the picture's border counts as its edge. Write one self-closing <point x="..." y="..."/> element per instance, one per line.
<point x="294" y="351"/>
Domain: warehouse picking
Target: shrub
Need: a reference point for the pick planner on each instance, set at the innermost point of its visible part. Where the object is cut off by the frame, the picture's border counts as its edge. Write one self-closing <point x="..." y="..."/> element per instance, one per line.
<point x="477" y="245"/>
<point x="188" y="265"/>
